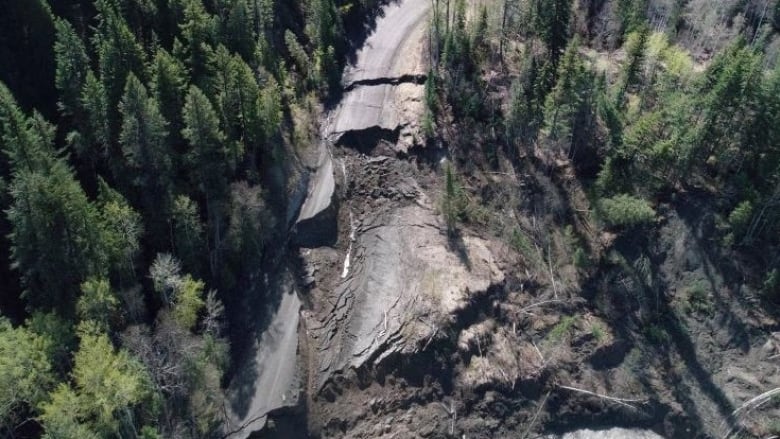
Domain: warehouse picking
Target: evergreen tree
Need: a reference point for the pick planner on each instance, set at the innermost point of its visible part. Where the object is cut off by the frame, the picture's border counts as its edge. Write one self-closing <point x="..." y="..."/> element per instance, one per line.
<point x="143" y="139"/>
<point x="118" y="55"/>
<point x="95" y="140"/>
<point x="569" y="106"/>
<point x="208" y="158"/>
<point x="121" y="228"/>
<point x="552" y="25"/>
<point x="107" y="385"/>
<point x="25" y="373"/>
<point x="56" y="231"/>
<point x="240" y="30"/>
<point x="168" y="84"/>
<point x="197" y="32"/>
<point x="188" y="234"/>
<point x="97" y="303"/>
<point x="72" y="67"/>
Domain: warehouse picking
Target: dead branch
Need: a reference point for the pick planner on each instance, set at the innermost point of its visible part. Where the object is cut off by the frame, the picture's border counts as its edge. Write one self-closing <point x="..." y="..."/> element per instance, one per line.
<point x="622" y="401"/>
<point x="549" y="302"/>
<point x="452" y="411"/>
<point x="536" y="415"/>
<point x="750" y="405"/>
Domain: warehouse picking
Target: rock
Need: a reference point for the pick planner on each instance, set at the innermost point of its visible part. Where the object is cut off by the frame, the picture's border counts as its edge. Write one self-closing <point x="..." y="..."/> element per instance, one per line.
<point x="613" y="433"/>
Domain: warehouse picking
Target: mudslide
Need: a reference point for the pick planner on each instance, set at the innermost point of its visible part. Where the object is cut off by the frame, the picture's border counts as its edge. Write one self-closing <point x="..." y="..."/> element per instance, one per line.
<point x="393" y="280"/>
<point x="376" y="87"/>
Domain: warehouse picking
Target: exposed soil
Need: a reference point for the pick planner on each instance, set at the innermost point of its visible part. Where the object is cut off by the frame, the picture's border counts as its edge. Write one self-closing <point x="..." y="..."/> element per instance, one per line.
<point x="494" y="331"/>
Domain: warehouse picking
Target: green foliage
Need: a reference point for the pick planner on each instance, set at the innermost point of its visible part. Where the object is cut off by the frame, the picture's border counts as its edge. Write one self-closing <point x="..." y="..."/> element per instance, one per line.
<point x="580" y="258"/>
<point x="168" y="87"/>
<point x="107" y="384"/>
<point x="188" y="302"/>
<point x="740" y="217"/>
<point x="96" y="106"/>
<point x="121" y="230"/>
<point x="56" y="235"/>
<point x="119" y="54"/>
<point x="528" y="91"/>
<point x="551" y="23"/>
<point x="656" y="334"/>
<point x="178" y="105"/>
<point x="197" y="32"/>
<point x="208" y="155"/>
<point x="143" y="137"/>
<point x="237" y="92"/>
<point x="598" y="332"/>
<point x="25" y="371"/>
<point x="562" y="329"/>
<point x="697" y="297"/>
<point x="520" y="242"/>
<point x="188" y="234"/>
<point x="631" y="14"/>
<point x="27" y="148"/>
<point x="569" y="108"/>
<point x="61" y="336"/>
<point x="635" y="47"/>
<point x="72" y="67"/>
<point x="148" y="432"/>
<point x="298" y="53"/>
<point x="454" y="203"/>
<point x="771" y="284"/>
<point x="625" y="211"/>
<point x="97" y="303"/>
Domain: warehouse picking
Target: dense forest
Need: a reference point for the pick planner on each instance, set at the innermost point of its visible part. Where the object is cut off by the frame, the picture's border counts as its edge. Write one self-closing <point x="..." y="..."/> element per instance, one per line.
<point x="142" y="143"/>
<point x="147" y="149"/>
<point x="643" y="134"/>
<point x="642" y="105"/>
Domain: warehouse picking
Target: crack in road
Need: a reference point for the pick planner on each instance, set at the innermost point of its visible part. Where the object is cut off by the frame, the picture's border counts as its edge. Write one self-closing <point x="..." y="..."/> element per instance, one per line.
<point x="418" y="79"/>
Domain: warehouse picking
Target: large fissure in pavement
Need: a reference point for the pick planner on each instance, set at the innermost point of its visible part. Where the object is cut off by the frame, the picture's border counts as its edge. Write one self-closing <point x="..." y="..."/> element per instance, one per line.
<point x="418" y="79"/>
<point x="367" y="140"/>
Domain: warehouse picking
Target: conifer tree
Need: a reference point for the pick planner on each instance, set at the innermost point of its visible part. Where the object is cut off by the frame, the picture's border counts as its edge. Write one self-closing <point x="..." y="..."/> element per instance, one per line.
<point x="208" y="158"/>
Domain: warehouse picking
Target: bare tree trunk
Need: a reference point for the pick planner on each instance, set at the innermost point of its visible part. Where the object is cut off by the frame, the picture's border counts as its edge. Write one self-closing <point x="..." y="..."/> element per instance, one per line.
<point x="502" y="36"/>
<point x="447" y="23"/>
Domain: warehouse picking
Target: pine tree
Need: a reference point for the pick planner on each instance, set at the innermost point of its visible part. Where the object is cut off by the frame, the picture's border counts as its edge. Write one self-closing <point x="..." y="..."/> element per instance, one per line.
<point x="72" y="67"/>
<point x="107" y="385"/>
<point x="168" y="85"/>
<point x="97" y="303"/>
<point x="197" y="32"/>
<point x="25" y="373"/>
<point x="188" y="235"/>
<point x="552" y="25"/>
<point x="208" y="158"/>
<point x="569" y="106"/>
<point x="143" y="138"/>
<point x="56" y="231"/>
<point x="239" y="33"/>
<point x="94" y="141"/>
<point x="122" y="229"/>
<point x="118" y="55"/>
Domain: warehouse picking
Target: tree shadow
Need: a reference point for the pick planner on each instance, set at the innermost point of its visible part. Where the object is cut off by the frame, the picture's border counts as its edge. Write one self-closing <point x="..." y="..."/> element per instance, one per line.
<point x="457" y="245"/>
<point x="677" y="339"/>
<point x="357" y="30"/>
<point x="256" y="313"/>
